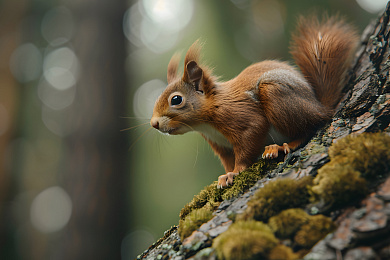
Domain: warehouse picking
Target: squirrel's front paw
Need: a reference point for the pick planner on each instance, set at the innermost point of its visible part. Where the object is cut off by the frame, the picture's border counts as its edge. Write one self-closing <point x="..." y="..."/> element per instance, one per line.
<point x="272" y="151"/>
<point x="226" y="179"/>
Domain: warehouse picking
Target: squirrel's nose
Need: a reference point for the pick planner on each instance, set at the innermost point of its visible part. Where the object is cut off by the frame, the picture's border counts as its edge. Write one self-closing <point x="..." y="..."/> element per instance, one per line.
<point x="154" y="122"/>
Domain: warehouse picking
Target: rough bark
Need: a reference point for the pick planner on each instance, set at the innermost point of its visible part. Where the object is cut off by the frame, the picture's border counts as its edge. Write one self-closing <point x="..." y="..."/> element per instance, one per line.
<point x="363" y="232"/>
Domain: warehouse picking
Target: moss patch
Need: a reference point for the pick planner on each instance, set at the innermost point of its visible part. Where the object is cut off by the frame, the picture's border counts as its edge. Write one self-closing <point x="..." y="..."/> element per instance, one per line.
<point x="313" y="148"/>
<point x="282" y="252"/>
<point x="335" y="185"/>
<point x="247" y="179"/>
<point x="288" y="222"/>
<point x="276" y="196"/>
<point x="367" y="153"/>
<point x="315" y="230"/>
<point x="256" y="240"/>
<point x="193" y="221"/>
<point x="211" y="196"/>
<point x="354" y="162"/>
<point x="245" y="240"/>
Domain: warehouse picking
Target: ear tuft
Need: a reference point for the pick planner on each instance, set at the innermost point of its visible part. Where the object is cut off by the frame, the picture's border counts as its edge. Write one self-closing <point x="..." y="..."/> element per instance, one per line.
<point x="194" y="75"/>
<point x="193" y="52"/>
<point x="199" y="76"/>
<point x="172" y="67"/>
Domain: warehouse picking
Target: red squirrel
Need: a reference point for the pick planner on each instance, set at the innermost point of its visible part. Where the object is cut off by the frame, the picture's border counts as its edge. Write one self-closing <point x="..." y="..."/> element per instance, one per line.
<point x="269" y="101"/>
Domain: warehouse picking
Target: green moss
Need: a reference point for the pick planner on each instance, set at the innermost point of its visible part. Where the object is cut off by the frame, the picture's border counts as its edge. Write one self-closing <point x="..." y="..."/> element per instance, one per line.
<point x="276" y="196"/>
<point x="288" y="222"/>
<point x="313" y="148"/>
<point x="245" y="240"/>
<point x="367" y="153"/>
<point x="193" y="221"/>
<point x="247" y="179"/>
<point x="211" y="196"/>
<point x="335" y="185"/>
<point x="315" y="230"/>
<point x="355" y="161"/>
<point x="282" y="252"/>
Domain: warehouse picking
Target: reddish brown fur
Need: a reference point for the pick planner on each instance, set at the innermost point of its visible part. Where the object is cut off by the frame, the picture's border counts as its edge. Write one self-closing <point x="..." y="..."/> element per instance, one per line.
<point x="324" y="61"/>
<point x="236" y="116"/>
<point x="173" y="65"/>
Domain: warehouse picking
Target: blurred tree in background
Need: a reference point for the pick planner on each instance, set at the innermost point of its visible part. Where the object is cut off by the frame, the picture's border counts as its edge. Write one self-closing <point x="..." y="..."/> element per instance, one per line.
<point x="94" y="173"/>
<point x="69" y="158"/>
<point x="74" y="73"/>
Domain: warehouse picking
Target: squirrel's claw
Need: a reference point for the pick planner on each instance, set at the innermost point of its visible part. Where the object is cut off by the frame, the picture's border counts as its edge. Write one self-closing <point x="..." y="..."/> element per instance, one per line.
<point x="226" y="179"/>
<point x="286" y="148"/>
<point x="222" y="181"/>
<point x="272" y="151"/>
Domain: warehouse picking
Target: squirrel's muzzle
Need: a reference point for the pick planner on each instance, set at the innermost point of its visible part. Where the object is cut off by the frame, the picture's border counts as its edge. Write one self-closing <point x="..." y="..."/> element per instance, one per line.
<point x="154" y="123"/>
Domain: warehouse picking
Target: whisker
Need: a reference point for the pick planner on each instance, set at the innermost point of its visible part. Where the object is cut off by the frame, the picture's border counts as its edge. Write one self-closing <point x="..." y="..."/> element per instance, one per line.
<point x="193" y="119"/>
<point x="143" y="134"/>
<point x="132" y="127"/>
<point x="197" y="153"/>
<point x="187" y="126"/>
<point x="135" y="117"/>
<point x="158" y="144"/>
<point x="197" y="144"/>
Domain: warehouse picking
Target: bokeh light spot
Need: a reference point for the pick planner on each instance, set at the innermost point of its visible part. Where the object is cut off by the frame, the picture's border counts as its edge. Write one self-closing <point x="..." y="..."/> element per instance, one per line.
<point x="145" y="97"/>
<point x="156" y="24"/>
<point x="54" y="98"/>
<point x="372" y="6"/>
<point x="26" y="63"/>
<point x="61" y="68"/>
<point x="51" y="210"/>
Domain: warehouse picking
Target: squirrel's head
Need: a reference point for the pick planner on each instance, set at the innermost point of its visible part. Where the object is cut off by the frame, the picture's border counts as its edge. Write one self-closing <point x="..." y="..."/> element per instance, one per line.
<point x="181" y="107"/>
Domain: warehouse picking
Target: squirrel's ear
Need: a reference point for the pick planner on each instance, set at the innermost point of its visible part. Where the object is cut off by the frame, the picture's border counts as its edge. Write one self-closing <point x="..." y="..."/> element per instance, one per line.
<point x="193" y="74"/>
<point x="172" y="67"/>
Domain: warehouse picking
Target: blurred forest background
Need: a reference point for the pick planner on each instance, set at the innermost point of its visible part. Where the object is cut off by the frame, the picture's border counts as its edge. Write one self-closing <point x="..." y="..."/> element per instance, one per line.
<point x="75" y="73"/>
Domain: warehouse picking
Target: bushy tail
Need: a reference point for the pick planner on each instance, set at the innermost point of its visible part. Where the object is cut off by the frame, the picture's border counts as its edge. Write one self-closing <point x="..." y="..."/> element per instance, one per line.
<point x="323" y="52"/>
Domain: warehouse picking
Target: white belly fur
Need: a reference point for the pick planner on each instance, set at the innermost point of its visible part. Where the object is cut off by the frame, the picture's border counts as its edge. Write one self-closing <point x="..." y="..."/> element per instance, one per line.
<point x="213" y="135"/>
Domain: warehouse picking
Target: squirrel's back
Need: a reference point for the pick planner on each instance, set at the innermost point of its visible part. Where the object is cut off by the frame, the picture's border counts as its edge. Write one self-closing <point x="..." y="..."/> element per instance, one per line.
<point x="323" y="52"/>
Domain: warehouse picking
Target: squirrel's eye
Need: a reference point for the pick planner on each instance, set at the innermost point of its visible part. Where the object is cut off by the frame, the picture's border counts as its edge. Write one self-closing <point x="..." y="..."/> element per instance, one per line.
<point x="176" y="100"/>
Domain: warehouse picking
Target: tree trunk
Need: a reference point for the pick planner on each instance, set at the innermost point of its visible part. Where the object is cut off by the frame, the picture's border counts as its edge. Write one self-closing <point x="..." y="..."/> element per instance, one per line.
<point x="94" y="169"/>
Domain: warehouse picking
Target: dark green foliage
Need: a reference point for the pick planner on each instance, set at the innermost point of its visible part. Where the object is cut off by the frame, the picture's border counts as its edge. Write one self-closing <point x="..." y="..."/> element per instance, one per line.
<point x="245" y="240"/>
<point x="276" y="196"/>
<point x="193" y="221"/>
